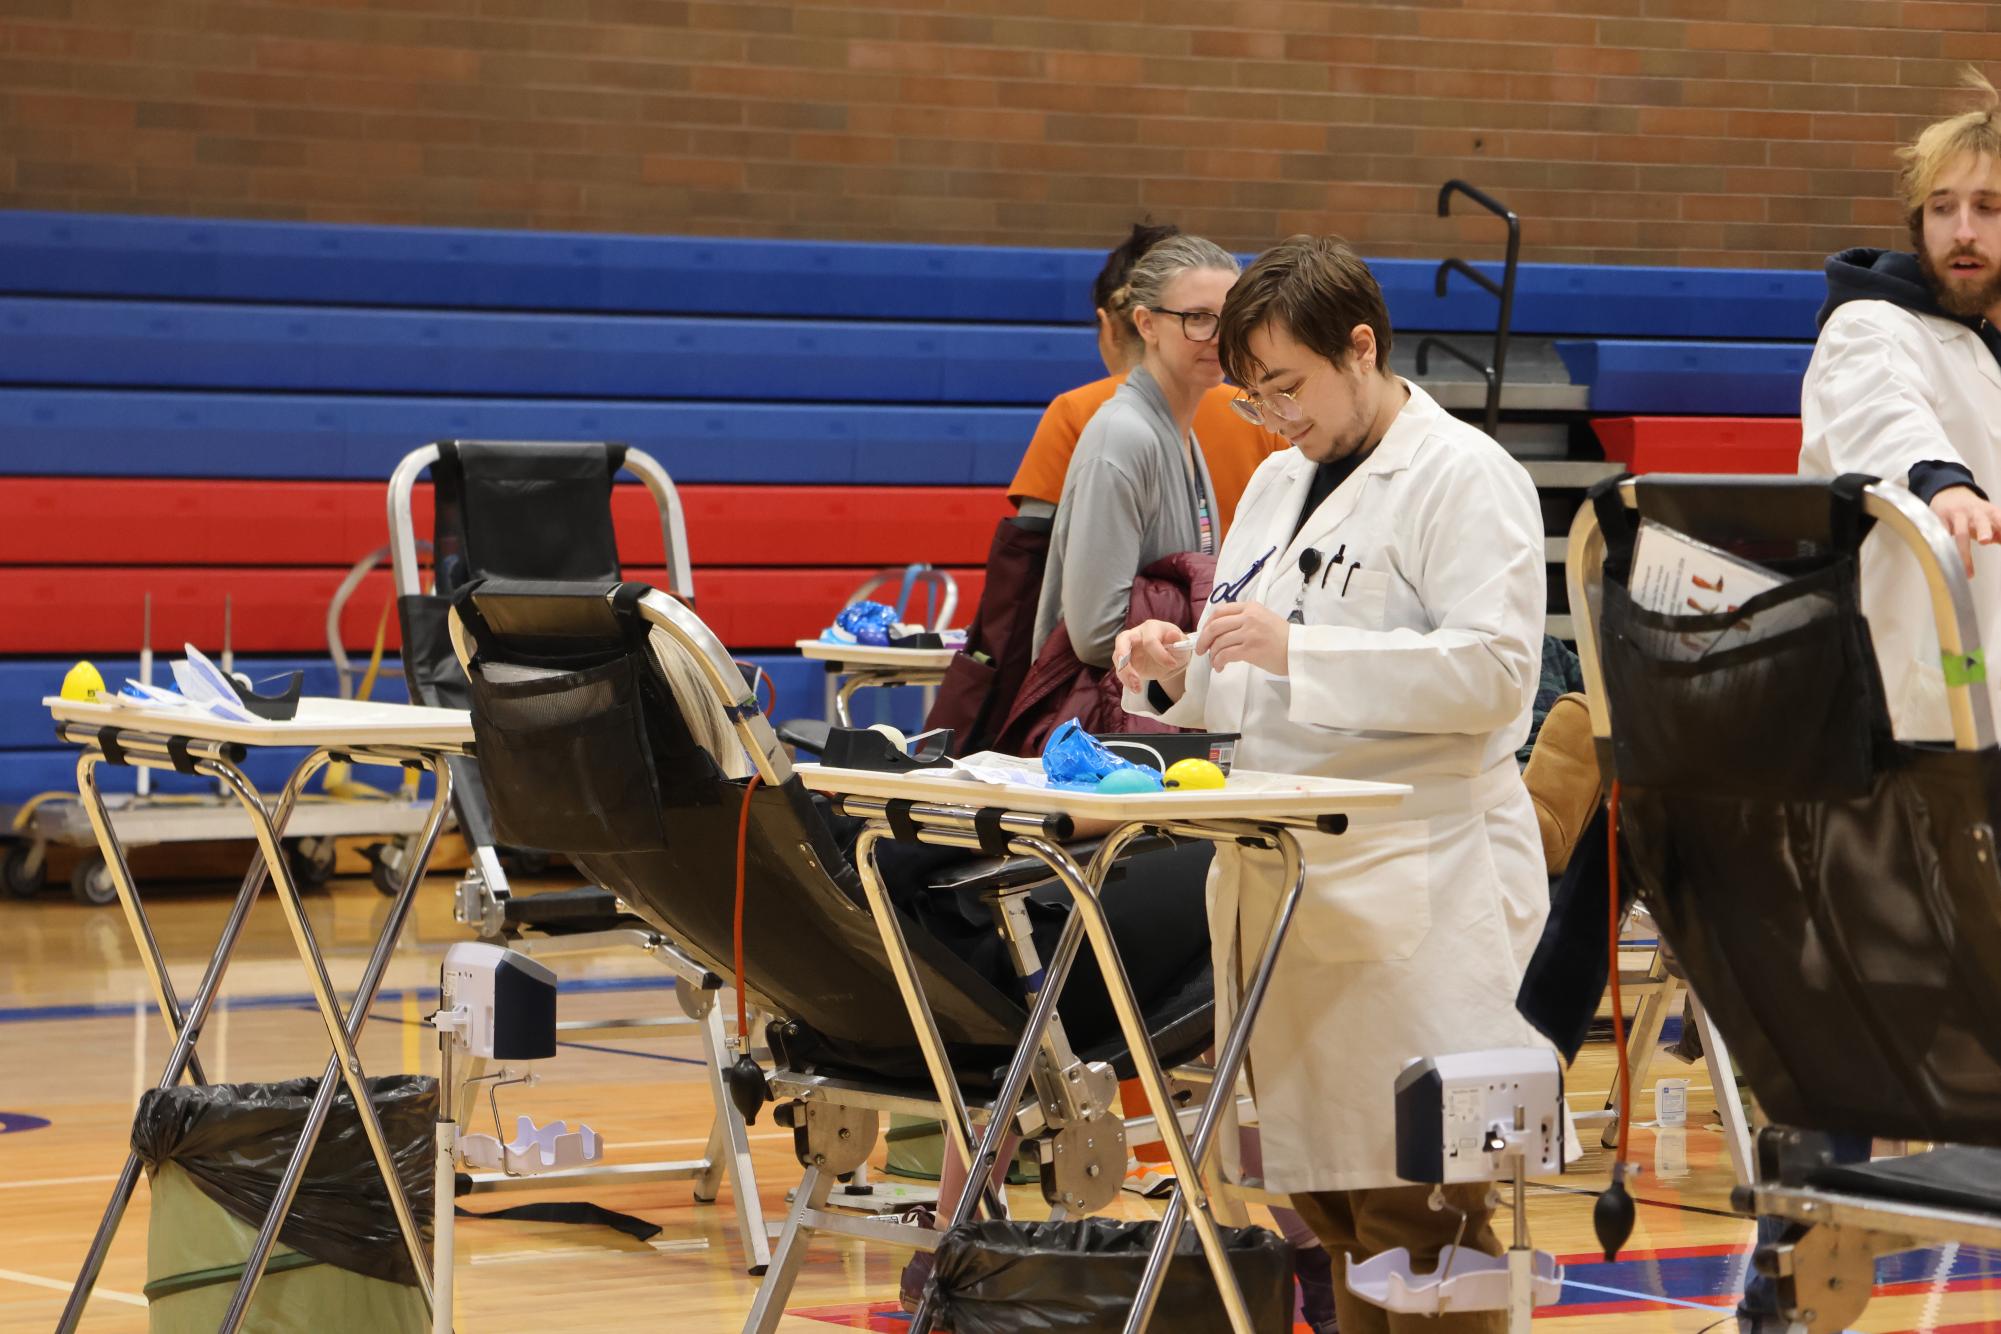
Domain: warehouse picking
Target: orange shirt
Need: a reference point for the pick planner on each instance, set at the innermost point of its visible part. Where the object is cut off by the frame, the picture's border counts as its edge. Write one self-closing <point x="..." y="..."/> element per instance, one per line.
<point x="1231" y="446"/>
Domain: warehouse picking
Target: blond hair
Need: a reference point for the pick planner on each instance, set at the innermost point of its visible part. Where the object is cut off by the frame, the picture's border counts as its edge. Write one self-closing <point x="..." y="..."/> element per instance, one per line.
<point x="1163" y="263"/>
<point x="1976" y="132"/>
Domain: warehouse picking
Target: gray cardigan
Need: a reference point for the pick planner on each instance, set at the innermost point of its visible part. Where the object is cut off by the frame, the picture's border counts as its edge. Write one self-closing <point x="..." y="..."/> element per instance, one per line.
<point x="1127" y="501"/>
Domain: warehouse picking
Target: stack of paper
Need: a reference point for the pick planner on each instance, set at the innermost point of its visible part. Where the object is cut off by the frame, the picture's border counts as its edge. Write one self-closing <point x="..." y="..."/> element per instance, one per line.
<point x="1675" y="575"/>
<point x="203" y="689"/>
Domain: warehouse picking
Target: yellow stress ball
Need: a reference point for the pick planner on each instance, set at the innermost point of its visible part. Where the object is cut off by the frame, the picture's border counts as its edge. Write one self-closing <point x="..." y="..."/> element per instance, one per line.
<point x="1191" y="774"/>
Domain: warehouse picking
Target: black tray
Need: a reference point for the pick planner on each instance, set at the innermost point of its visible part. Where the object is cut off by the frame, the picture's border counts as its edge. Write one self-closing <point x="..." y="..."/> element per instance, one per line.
<point x="1219" y="748"/>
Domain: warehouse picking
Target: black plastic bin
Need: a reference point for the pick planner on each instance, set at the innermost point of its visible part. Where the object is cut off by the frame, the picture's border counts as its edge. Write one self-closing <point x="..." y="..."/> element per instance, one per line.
<point x="1080" y="1277"/>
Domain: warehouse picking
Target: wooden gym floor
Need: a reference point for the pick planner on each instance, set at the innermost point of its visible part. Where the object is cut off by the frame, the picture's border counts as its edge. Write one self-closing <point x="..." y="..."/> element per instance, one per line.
<point x="78" y="1043"/>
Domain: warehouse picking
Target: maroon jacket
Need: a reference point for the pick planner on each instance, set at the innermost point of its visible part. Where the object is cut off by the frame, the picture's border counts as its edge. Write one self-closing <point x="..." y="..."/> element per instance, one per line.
<point x="1174" y="588"/>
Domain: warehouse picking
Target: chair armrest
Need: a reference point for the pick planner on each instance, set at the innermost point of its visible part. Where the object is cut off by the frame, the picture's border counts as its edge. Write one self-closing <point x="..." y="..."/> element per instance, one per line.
<point x="805" y="734"/>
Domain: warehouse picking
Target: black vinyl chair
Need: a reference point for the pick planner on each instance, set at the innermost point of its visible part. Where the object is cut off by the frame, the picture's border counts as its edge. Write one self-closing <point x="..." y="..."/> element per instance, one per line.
<point x="543" y="510"/>
<point x="1831" y="892"/>
<point x="613" y="727"/>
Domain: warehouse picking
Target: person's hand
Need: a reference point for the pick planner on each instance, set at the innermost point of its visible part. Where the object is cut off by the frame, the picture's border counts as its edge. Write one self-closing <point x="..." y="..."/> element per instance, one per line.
<point x="1969" y="519"/>
<point x="1146" y="653"/>
<point x="1245" y="632"/>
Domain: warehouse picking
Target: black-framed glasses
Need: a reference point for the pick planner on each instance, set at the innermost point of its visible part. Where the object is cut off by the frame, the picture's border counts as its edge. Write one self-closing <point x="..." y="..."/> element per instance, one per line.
<point x="1197" y="326"/>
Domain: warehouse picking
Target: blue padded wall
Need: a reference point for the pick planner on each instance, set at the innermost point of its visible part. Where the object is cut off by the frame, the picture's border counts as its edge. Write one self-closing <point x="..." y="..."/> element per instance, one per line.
<point x="197" y="346"/>
<point x="60" y="254"/>
<point x="80" y="432"/>
<point x="1715" y="379"/>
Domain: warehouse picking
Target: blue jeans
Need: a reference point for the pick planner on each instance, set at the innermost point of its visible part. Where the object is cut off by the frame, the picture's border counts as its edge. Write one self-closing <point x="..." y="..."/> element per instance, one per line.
<point x="1760" y="1303"/>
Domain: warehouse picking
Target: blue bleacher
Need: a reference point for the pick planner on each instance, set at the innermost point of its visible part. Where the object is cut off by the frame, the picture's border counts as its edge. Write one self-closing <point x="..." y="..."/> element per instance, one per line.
<point x="121" y="344"/>
<point x="146" y="433"/>
<point x="463" y="269"/>
<point x="59" y="254"/>
<point x="1722" y="379"/>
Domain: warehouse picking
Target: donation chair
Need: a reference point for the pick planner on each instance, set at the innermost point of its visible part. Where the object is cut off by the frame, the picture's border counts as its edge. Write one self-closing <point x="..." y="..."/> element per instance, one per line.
<point x="543" y="511"/>
<point x="1830" y="892"/>
<point x="613" y="727"/>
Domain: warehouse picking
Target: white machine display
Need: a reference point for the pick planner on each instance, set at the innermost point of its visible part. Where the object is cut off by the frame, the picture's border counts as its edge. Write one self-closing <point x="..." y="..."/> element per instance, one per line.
<point x="494" y="1004"/>
<point x="1475" y="1116"/>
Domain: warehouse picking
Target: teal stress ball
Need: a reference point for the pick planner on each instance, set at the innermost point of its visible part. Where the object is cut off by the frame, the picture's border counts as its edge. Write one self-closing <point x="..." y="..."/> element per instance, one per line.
<point x="1120" y="782"/>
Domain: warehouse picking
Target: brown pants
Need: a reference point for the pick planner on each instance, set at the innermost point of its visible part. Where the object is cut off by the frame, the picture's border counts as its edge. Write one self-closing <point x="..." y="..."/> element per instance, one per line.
<point x="1363" y="1223"/>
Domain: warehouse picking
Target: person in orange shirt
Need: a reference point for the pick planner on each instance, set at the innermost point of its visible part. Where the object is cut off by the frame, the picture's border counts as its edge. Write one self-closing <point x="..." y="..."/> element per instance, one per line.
<point x="1231" y="446"/>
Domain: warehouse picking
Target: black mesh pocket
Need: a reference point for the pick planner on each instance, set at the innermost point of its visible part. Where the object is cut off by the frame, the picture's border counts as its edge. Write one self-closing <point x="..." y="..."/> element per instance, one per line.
<point x="567" y="759"/>
<point x="1777" y="700"/>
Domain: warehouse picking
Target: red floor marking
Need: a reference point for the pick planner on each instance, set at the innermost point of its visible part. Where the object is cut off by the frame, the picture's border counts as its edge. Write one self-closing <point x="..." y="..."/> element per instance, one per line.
<point x="1918" y="1285"/>
<point x="1661" y="1253"/>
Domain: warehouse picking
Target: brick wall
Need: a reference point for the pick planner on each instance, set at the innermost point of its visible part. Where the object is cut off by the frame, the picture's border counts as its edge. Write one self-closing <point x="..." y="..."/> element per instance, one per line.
<point x="1641" y="131"/>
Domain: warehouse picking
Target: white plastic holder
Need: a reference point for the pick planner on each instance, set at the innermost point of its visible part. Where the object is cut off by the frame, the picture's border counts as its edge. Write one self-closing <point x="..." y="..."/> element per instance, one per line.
<point x="1516" y="1282"/>
<point x="534" y="1149"/>
<point x="1473" y="1281"/>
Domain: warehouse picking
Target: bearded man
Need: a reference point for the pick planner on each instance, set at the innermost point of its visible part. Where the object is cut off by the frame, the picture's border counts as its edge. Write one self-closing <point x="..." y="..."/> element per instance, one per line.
<point x="1905" y="384"/>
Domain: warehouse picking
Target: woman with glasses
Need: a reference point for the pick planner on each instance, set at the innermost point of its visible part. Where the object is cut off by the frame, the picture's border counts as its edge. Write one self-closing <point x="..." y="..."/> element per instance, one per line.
<point x="1138" y="488"/>
<point x="1232" y="447"/>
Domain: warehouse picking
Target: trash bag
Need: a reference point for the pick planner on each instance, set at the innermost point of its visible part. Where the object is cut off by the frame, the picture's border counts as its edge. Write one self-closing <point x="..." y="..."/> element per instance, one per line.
<point x="195" y="1251"/>
<point x="235" y="1139"/>
<point x="1079" y="1277"/>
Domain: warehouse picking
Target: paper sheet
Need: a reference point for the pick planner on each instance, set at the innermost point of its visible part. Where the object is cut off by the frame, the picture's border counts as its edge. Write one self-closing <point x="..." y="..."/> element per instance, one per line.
<point x="1675" y="575"/>
<point x="989" y="766"/>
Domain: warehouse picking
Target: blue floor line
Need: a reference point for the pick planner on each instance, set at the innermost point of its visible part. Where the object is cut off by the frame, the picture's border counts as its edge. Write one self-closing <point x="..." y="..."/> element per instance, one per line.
<point x="28" y="1014"/>
<point x="380" y="1018"/>
<point x="1643" y="1296"/>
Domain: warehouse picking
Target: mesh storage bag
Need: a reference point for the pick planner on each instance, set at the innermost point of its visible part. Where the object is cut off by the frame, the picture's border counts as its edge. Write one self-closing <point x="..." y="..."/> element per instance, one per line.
<point x="1818" y="881"/>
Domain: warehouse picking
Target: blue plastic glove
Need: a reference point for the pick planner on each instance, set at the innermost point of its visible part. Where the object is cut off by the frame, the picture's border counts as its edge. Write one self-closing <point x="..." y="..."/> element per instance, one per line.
<point x="869" y="622"/>
<point x="1075" y="760"/>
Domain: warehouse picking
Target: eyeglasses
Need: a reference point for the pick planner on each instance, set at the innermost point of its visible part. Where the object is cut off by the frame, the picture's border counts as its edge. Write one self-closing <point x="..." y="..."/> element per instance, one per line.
<point x="1282" y="407"/>
<point x="1197" y="326"/>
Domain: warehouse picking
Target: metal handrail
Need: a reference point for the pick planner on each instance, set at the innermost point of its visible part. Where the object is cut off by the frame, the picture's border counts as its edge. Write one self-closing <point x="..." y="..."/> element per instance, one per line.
<point x="1503" y="291"/>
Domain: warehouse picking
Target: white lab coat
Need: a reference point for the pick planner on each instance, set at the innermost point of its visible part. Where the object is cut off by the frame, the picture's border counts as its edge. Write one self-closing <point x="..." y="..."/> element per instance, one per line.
<point x="1417" y="663"/>
<point x="1887" y="388"/>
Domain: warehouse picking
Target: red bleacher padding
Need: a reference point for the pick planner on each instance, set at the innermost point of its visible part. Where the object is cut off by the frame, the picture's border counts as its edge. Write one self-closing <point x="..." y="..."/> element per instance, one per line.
<point x="1702" y="444"/>
<point x="96" y="610"/>
<point x="121" y="521"/>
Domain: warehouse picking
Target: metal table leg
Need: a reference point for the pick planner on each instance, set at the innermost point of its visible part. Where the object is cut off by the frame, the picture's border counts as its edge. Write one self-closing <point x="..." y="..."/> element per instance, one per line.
<point x="1229" y="1061"/>
<point x="1089" y="910"/>
<point x="852" y="682"/>
<point x="187" y="1032"/>
<point x="929" y="1040"/>
<point x="344" y="1065"/>
<point x="136" y="920"/>
<point x="1014" y="1084"/>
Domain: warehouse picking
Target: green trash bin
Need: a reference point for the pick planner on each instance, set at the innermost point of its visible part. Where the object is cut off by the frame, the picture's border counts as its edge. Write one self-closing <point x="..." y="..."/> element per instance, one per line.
<point x="917" y="1150"/>
<point x="214" y="1156"/>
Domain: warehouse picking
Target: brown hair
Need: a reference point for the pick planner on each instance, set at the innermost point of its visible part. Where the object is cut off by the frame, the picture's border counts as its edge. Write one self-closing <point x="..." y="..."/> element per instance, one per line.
<point x="1314" y="288"/>
<point x="1943" y="142"/>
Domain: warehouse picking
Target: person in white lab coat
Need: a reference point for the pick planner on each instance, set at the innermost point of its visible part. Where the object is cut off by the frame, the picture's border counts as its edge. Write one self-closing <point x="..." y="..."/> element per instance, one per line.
<point x="1905" y="384"/>
<point x="1379" y="615"/>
